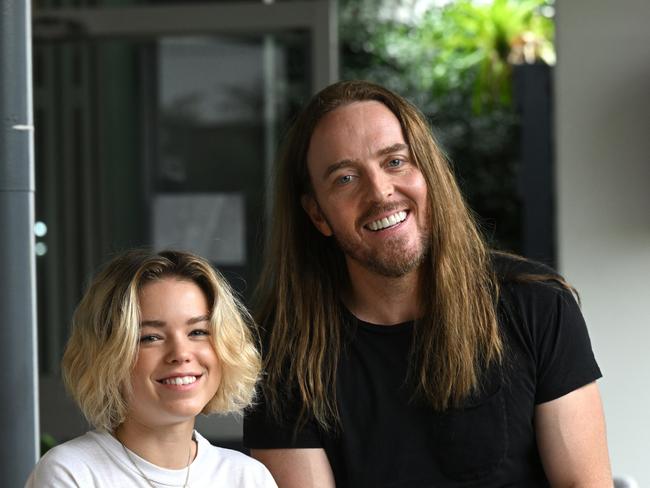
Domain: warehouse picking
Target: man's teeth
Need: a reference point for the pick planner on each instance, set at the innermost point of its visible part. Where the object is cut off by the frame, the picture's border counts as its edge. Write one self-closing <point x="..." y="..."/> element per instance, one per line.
<point x="179" y="380"/>
<point x="396" y="218"/>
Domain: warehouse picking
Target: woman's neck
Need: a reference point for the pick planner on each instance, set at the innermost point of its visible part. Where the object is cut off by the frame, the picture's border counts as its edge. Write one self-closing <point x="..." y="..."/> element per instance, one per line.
<point x="168" y="447"/>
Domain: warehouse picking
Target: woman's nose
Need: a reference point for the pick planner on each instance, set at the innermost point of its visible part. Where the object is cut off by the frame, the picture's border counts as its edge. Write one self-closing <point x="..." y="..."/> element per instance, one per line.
<point x="178" y="350"/>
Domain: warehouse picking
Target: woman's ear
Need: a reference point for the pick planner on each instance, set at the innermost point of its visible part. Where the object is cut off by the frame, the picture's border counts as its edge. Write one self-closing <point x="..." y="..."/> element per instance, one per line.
<point x="311" y="207"/>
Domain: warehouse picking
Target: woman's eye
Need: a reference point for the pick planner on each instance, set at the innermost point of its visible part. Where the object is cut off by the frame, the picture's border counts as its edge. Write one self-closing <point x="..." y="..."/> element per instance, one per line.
<point x="149" y="338"/>
<point x="395" y="163"/>
<point x="200" y="332"/>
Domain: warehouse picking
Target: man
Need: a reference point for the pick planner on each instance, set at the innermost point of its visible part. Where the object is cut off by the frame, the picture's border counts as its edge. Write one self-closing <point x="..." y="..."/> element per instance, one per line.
<point x="399" y="351"/>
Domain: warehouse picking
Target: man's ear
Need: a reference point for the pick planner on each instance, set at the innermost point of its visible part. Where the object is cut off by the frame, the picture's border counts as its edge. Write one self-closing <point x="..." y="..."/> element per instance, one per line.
<point x="311" y="207"/>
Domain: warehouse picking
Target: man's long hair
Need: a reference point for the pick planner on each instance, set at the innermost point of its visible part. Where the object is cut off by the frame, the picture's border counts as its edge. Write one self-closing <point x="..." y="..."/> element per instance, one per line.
<point x="298" y="296"/>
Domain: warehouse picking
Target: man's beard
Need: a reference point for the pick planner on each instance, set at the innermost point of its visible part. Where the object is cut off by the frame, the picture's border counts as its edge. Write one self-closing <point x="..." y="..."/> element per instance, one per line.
<point x="393" y="261"/>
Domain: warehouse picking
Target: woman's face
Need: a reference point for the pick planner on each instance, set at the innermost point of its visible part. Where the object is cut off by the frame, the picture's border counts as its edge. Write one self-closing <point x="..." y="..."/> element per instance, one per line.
<point x="177" y="371"/>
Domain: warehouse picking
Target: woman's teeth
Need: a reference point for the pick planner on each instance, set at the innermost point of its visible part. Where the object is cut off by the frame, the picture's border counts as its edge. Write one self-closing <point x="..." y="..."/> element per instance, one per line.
<point x="179" y="380"/>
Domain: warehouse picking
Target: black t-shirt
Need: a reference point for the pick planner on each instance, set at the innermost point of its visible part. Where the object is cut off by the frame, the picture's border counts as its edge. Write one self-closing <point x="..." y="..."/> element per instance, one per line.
<point x="388" y="440"/>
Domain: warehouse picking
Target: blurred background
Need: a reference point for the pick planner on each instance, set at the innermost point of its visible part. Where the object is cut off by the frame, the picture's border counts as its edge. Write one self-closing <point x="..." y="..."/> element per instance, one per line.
<point x="156" y="124"/>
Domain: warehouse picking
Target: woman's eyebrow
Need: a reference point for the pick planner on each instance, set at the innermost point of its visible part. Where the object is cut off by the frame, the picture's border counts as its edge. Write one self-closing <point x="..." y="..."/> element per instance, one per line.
<point x="162" y="323"/>
<point x="152" y="323"/>
<point x="196" y="320"/>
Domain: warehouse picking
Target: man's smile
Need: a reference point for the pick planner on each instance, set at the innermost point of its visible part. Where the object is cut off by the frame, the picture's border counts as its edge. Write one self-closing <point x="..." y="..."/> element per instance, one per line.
<point x="388" y="221"/>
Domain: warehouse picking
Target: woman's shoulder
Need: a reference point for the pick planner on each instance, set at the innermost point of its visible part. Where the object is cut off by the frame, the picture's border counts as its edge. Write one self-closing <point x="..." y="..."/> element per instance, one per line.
<point x="79" y="448"/>
<point x="236" y="467"/>
<point x="224" y="455"/>
<point x="69" y="463"/>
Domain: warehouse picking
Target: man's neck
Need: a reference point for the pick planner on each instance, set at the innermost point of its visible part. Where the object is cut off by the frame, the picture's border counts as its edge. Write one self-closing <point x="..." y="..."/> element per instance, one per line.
<point x="383" y="300"/>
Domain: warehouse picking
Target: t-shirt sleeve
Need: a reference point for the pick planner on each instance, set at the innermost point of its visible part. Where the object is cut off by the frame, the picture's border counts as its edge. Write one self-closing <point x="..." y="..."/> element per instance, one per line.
<point x="263" y="430"/>
<point x="61" y="470"/>
<point x="565" y="359"/>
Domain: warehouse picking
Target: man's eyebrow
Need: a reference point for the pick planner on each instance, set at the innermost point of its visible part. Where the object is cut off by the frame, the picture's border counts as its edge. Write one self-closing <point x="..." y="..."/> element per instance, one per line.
<point x="336" y="166"/>
<point x="351" y="162"/>
<point x="161" y="323"/>
<point x="392" y="149"/>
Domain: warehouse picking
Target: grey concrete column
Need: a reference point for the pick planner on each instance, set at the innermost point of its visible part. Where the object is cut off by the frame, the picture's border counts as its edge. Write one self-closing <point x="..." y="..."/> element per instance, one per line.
<point x="18" y="352"/>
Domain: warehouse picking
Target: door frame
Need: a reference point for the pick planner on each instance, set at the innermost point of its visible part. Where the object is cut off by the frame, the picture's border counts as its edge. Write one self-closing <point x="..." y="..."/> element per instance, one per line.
<point x="318" y="17"/>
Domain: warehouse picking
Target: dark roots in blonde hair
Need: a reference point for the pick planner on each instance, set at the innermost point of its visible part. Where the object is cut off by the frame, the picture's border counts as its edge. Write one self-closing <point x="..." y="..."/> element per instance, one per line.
<point x="298" y="294"/>
<point x="103" y="345"/>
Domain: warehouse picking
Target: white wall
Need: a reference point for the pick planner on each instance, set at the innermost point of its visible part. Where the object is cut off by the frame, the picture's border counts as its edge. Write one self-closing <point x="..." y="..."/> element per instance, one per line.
<point x="602" y="103"/>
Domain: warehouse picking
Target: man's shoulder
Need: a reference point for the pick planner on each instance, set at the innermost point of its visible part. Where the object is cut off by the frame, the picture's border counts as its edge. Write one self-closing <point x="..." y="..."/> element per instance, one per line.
<point x="514" y="268"/>
<point x="533" y="298"/>
<point x="524" y="280"/>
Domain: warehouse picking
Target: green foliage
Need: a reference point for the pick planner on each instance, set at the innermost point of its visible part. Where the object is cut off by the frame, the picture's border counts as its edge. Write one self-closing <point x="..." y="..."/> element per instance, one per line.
<point x="47" y="442"/>
<point x="455" y="63"/>
<point x="463" y="46"/>
<point x="474" y="44"/>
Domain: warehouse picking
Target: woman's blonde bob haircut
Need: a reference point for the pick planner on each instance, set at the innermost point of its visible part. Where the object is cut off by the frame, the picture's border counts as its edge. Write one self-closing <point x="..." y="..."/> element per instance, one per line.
<point x="103" y="346"/>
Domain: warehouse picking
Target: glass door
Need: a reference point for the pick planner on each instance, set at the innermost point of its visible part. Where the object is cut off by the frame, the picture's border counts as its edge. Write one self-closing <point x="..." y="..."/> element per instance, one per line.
<point x="157" y="126"/>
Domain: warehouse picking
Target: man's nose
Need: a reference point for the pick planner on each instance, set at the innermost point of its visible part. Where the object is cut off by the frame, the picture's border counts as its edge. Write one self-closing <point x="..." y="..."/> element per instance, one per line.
<point x="379" y="186"/>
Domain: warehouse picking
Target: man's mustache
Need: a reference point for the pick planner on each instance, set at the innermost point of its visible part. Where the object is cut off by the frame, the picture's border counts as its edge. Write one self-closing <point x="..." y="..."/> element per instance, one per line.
<point x="378" y="209"/>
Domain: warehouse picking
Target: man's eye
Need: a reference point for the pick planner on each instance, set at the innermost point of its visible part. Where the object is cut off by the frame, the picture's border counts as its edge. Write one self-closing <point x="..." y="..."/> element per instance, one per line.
<point x="342" y="180"/>
<point x="395" y="163"/>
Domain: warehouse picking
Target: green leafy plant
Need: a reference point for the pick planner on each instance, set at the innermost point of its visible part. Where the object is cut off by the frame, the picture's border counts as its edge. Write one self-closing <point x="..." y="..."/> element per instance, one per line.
<point x="476" y="44"/>
<point x="464" y="46"/>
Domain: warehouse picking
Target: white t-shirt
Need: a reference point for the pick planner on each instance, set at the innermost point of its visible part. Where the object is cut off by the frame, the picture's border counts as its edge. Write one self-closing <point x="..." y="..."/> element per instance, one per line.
<point x="97" y="459"/>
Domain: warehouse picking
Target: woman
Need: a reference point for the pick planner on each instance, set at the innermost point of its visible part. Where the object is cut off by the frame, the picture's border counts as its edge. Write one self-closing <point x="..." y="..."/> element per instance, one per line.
<point x="156" y="340"/>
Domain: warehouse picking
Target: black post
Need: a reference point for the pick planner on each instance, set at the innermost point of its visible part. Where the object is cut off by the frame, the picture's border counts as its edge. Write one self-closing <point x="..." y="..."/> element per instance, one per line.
<point x="18" y="353"/>
<point x="532" y="87"/>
